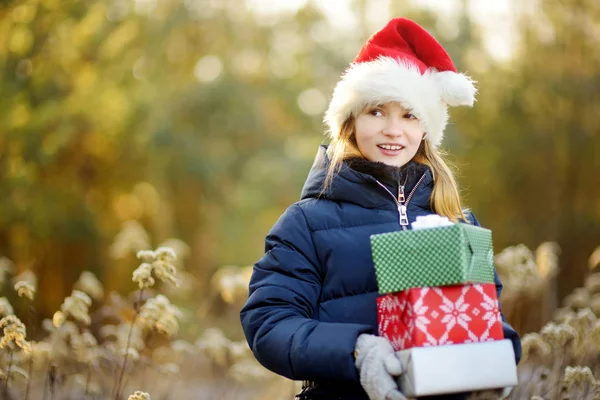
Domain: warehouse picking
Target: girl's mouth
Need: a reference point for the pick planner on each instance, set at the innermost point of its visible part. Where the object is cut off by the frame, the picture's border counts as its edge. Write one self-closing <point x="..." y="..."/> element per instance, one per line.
<point x="390" y="149"/>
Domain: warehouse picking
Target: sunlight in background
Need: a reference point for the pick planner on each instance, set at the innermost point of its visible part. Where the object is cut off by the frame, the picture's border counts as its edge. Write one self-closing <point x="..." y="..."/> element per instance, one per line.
<point x="145" y="6"/>
<point x="268" y="10"/>
<point x="247" y="62"/>
<point x="496" y="18"/>
<point x="339" y="14"/>
<point x="208" y="68"/>
<point x="312" y="101"/>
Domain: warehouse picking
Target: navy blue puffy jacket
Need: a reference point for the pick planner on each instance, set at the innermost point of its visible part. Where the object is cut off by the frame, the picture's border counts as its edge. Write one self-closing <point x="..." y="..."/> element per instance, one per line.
<point x="314" y="290"/>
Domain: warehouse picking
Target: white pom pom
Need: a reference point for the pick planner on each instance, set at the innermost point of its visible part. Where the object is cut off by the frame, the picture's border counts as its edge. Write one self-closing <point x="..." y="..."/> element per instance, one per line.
<point x="456" y="89"/>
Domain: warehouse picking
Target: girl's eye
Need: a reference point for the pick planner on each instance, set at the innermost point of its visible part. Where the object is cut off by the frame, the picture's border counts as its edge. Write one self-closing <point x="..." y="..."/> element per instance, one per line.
<point x="410" y="116"/>
<point x="376" y="112"/>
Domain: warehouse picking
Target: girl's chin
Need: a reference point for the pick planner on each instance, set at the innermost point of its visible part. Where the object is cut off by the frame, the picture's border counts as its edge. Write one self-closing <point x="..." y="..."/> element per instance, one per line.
<point x="396" y="158"/>
<point x="397" y="162"/>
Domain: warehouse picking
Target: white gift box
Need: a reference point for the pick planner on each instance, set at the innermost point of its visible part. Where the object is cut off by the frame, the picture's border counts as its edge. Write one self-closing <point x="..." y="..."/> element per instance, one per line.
<point x="457" y="368"/>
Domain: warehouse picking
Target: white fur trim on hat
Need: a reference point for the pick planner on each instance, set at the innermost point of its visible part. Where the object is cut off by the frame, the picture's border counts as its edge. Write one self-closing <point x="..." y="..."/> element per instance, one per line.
<point x="388" y="79"/>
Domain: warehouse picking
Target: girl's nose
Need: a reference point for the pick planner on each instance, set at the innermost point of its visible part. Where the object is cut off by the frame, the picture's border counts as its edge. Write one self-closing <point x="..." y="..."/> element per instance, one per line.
<point x="394" y="127"/>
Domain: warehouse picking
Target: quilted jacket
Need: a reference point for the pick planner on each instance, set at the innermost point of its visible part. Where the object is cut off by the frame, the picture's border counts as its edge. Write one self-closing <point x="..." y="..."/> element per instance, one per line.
<point x="313" y="292"/>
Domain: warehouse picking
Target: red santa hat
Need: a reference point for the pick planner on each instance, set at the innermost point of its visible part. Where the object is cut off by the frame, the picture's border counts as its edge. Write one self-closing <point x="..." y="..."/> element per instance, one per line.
<point x="403" y="63"/>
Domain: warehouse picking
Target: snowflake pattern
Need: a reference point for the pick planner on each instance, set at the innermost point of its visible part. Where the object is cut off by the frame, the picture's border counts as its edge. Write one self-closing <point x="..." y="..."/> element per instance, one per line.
<point x="420" y="309"/>
<point x="456" y="313"/>
<point x="390" y="304"/>
<point x="492" y="311"/>
<point x="440" y="316"/>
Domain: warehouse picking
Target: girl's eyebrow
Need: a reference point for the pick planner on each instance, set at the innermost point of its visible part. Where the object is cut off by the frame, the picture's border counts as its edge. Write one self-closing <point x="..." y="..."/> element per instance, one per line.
<point x="373" y="107"/>
<point x="403" y="109"/>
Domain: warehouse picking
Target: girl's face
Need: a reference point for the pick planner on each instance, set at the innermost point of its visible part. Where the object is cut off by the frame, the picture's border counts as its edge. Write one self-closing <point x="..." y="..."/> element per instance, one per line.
<point x="388" y="133"/>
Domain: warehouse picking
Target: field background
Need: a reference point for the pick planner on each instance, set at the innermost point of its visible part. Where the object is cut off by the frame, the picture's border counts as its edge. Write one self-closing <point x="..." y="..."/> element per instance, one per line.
<point x="129" y="125"/>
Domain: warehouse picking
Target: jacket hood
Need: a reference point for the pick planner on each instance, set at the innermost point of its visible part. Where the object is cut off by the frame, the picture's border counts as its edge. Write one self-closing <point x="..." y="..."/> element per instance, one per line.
<point x="352" y="186"/>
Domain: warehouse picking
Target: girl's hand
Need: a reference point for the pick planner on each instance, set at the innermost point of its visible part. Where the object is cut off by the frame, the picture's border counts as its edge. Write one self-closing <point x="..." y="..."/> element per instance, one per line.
<point x="377" y="364"/>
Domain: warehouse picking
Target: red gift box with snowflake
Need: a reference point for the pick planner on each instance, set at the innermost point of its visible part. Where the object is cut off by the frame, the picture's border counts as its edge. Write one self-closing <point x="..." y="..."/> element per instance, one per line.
<point x="435" y="316"/>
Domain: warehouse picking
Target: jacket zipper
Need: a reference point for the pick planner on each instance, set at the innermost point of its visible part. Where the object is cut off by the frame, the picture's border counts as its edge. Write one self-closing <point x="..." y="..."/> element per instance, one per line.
<point x="401" y="201"/>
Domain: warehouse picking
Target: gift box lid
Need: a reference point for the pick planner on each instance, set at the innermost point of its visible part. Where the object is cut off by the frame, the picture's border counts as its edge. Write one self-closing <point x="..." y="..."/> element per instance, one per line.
<point x="449" y="255"/>
<point x="457" y="368"/>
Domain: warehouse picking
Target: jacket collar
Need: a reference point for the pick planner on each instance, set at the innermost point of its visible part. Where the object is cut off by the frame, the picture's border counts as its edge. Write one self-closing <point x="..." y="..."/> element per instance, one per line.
<point x="360" y="187"/>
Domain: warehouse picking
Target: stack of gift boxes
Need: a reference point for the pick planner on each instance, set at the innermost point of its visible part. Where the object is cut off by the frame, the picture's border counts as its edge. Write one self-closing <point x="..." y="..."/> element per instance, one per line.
<point x="439" y="309"/>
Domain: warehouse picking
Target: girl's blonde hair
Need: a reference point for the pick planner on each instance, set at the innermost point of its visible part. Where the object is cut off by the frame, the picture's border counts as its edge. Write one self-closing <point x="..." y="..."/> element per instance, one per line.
<point x="445" y="199"/>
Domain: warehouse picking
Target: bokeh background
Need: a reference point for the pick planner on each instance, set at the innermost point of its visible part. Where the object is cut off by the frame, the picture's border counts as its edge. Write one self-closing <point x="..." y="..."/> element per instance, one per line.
<point x="131" y="124"/>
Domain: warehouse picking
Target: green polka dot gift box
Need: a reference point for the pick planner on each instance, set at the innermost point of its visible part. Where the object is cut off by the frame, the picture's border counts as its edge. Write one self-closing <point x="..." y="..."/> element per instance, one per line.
<point x="433" y="257"/>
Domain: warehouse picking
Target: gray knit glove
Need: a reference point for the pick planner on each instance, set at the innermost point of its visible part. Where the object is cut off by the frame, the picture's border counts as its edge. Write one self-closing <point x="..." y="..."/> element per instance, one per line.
<point x="377" y="365"/>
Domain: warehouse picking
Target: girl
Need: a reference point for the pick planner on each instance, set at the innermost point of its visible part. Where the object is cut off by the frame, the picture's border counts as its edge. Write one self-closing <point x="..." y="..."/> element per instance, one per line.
<point x="311" y="313"/>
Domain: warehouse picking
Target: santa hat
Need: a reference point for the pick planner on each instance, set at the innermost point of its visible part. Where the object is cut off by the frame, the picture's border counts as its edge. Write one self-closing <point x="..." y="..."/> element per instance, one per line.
<point x="403" y="63"/>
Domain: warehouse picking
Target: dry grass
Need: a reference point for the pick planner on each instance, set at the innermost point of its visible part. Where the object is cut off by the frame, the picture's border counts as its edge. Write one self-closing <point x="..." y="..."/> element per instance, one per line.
<point x="128" y="348"/>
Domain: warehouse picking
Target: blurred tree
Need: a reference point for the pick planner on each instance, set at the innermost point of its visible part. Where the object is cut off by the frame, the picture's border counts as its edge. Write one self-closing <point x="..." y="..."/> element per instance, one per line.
<point x="197" y="118"/>
<point x="530" y="152"/>
<point x="200" y="119"/>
